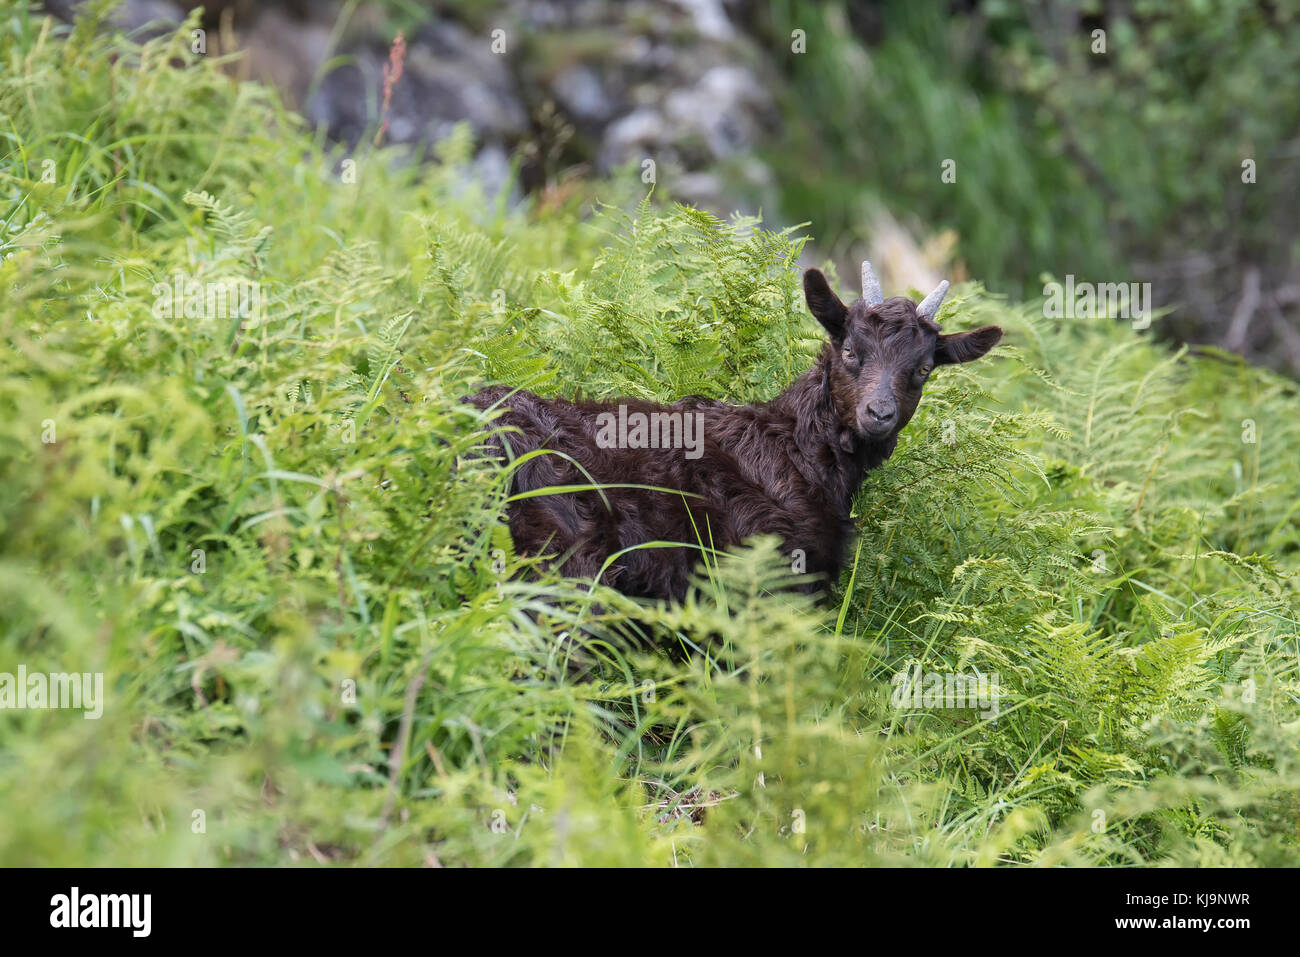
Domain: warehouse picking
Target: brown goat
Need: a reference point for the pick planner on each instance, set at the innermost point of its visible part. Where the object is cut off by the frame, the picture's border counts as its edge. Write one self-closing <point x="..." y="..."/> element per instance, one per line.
<point x="788" y="467"/>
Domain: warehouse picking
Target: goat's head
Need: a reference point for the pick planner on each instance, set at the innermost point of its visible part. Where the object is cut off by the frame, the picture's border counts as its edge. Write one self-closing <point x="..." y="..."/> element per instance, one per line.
<point x="883" y="350"/>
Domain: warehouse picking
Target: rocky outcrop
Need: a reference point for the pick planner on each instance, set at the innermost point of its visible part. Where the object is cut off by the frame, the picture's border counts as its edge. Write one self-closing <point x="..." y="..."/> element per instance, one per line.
<point x="589" y="83"/>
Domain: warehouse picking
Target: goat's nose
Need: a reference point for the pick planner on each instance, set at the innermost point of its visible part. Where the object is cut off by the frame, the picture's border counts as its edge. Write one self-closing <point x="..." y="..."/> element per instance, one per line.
<point x="882" y="412"/>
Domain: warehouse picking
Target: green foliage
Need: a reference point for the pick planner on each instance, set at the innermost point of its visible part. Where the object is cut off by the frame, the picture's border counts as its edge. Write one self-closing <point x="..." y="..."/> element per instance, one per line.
<point x="680" y="304"/>
<point x="1115" y="156"/>
<point x="265" y="532"/>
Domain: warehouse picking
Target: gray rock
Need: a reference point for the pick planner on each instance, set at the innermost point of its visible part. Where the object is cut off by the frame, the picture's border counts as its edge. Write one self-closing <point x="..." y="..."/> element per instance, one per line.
<point x="676" y="81"/>
<point x="723" y="108"/>
<point x="450" y="75"/>
<point x="581" y="93"/>
<point x="710" y="19"/>
<point x="129" y="15"/>
<point x="134" y="14"/>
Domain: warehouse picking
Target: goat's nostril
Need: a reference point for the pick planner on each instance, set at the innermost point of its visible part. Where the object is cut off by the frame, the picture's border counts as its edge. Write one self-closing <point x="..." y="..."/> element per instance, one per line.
<point x="882" y="415"/>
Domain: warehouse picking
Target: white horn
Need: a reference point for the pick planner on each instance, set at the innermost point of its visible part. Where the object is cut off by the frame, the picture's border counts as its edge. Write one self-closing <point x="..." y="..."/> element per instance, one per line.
<point x="929" y="307"/>
<point x="870" y="285"/>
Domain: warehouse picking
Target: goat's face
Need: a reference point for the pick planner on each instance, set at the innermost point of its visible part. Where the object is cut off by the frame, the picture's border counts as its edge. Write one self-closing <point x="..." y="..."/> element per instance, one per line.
<point x="884" y="350"/>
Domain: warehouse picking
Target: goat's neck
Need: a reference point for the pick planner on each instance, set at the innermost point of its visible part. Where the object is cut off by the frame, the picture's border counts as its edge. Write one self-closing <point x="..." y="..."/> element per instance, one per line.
<point x="827" y="453"/>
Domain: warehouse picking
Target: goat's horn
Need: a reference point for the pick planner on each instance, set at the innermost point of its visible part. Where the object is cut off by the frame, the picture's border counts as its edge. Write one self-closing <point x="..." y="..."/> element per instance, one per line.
<point x="870" y="285"/>
<point x="929" y="307"/>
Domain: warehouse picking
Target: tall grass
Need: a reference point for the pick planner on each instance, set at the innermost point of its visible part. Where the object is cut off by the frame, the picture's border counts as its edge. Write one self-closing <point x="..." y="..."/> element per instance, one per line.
<point x="267" y="535"/>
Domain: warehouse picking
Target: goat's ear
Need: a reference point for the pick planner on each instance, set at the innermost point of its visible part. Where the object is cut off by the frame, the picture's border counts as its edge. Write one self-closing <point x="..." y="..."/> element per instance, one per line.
<point x="824" y="304"/>
<point x="965" y="346"/>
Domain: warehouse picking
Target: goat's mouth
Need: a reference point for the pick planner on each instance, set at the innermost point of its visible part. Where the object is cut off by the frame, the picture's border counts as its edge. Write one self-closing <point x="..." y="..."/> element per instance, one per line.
<point x="877" y="434"/>
<point x="875" y="428"/>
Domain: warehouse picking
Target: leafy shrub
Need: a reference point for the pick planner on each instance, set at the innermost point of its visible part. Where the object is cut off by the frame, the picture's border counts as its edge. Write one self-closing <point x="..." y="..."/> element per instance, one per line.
<point x="265" y="532"/>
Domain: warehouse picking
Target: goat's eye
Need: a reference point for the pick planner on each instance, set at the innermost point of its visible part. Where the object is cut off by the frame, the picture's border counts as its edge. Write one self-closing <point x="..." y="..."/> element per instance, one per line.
<point x="924" y="370"/>
<point x="847" y="353"/>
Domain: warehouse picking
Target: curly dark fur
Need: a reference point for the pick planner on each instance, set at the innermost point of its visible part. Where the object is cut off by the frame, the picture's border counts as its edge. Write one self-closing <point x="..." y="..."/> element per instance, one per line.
<point x="788" y="467"/>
